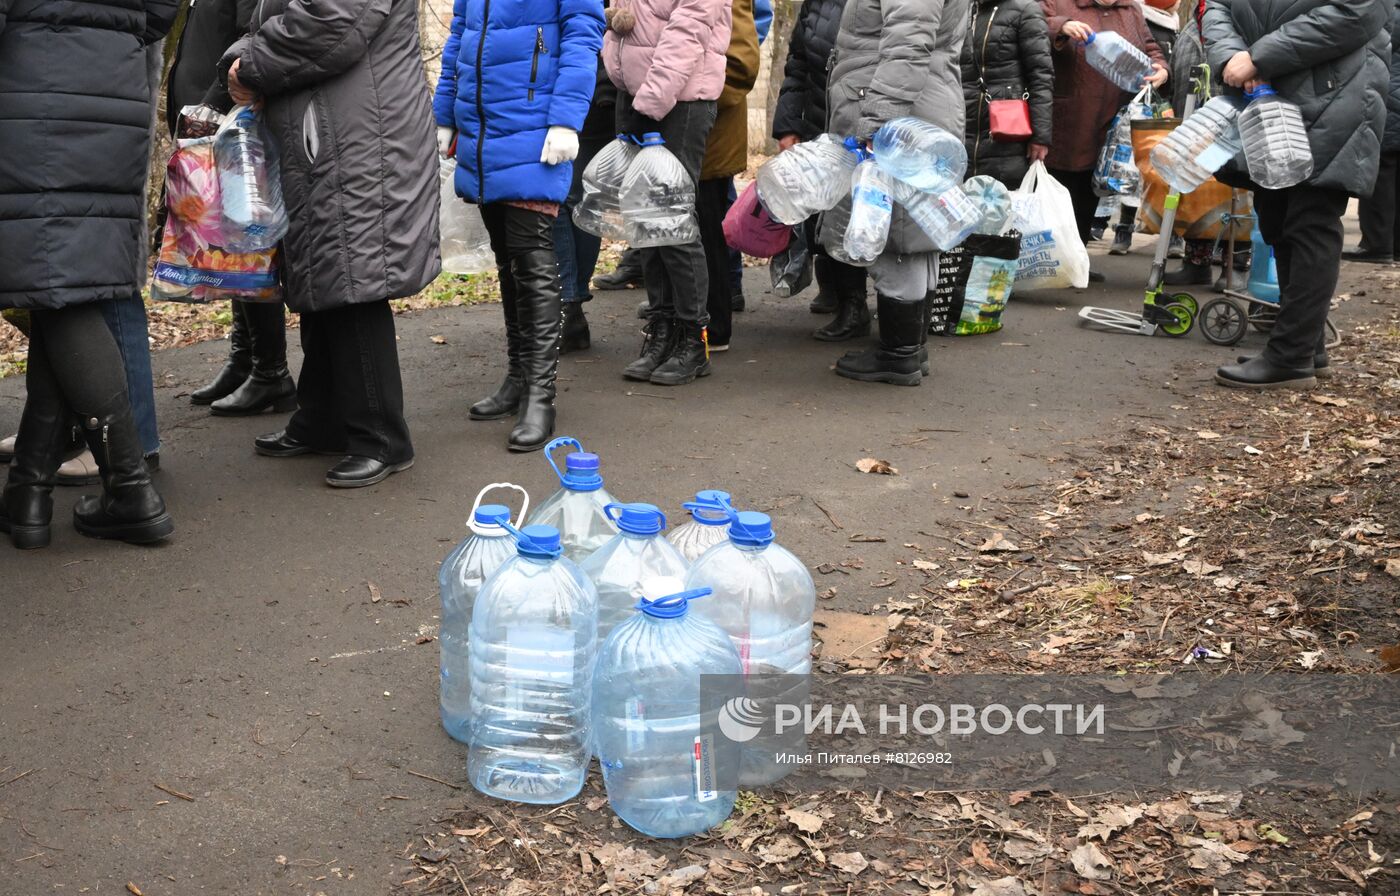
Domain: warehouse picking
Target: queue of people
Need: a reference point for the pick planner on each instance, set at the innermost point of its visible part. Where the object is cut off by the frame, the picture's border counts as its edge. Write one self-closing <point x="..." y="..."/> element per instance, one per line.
<point x="529" y="91"/>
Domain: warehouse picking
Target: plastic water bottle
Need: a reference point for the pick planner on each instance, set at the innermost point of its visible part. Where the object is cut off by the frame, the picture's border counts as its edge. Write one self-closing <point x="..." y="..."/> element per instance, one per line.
<point x="600" y="210"/>
<point x="533" y="643"/>
<point x="921" y="154"/>
<point x="250" y="185"/>
<point x="638" y="552"/>
<point x="665" y="762"/>
<point x="658" y="199"/>
<point x="1263" y="269"/>
<point x="1199" y="146"/>
<point x="871" y="206"/>
<point x="1276" y="146"/>
<point x="947" y="219"/>
<point x="708" y="525"/>
<point x="764" y="599"/>
<point x="1112" y="56"/>
<point x="993" y="201"/>
<point x="579" y="509"/>
<point x="460" y="579"/>
<point x="809" y="178"/>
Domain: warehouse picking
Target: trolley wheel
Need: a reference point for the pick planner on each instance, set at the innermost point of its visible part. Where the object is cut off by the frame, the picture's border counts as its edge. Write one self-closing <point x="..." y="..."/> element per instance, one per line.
<point x="1262" y="316"/>
<point x="1184" y="319"/>
<point x="1185" y="298"/>
<point x="1222" y="322"/>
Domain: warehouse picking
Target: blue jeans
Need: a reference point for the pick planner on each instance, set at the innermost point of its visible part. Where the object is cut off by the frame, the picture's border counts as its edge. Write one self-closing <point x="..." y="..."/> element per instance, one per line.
<point x="577" y="251"/>
<point x="126" y="318"/>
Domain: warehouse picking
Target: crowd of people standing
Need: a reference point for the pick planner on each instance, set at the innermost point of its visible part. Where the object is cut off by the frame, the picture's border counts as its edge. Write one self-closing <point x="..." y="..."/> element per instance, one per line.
<point x="529" y="92"/>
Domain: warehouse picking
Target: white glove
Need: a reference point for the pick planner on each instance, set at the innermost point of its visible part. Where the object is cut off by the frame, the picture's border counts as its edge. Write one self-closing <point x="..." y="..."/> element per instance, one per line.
<point x="445" y="138"/>
<point x="560" y="145"/>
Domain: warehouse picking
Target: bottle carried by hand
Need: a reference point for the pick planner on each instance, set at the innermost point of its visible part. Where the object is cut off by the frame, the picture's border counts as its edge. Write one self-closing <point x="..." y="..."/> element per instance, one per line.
<point x="805" y="180"/>
<point x="921" y="154"/>
<point x="579" y="509"/>
<point x="250" y="184"/>
<point x="1199" y="146"/>
<point x="658" y="199"/>
<point x="599" y="212"/>
<point x="637" y="553"/>
<point x="871" y="205"/>
<point x="1276" y="146"/>
<point x="1112" y="56"/>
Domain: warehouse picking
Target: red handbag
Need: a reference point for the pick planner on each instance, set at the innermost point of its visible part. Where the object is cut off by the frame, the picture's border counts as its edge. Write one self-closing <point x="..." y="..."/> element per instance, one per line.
<point x="1009" y="120"/>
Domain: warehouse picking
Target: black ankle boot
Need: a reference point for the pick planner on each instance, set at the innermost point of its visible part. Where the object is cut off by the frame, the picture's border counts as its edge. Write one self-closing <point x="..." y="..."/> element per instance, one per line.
<point x="690" y="359"/>
<point x="896" y="359"/>
<point x="1189" y="274"/>
<point x="537" y="299"/>
<point x="575" y="336"/>
<point x="658" y="345"/>
<point x="129" y="508"/>
<point x="506" y="400"/>
<point x="236" y="369"/>
<point x="269" y="386"/>
<point x="26" y="504"/>
<point x="852" y="319"/>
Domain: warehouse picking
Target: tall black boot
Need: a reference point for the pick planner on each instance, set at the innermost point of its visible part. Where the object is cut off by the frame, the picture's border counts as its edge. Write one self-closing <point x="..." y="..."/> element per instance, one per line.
<point x="238" y="366"/>
<point x="896" y="359"/>
<point x="660" y="342"/>
<point x="852" y="313"/>
<point x="26" y="504"/>
<point x="506" y="400"/>
<point x="129" y="508"/>
<point x="270" y="385"/>
<point x="538" y="297"/>
<point x="690" y="359"/>
<point x="575" y="336"/>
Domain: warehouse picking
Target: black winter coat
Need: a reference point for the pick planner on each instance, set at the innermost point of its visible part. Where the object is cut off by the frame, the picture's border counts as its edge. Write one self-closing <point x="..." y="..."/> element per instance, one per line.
<point x="801" y="107"/>
<point x="1391" y="141"/>
<point x="75" y="118"/>
<point x="1006" y="56"/>
<point x="211" y="28"/>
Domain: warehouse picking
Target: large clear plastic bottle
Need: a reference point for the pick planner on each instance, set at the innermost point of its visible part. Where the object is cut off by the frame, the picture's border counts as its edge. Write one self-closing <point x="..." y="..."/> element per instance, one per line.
<point x="809" y="178"/>
<point x="871" y="206"/>
<point x="533" y="643"/>
<point x="250" y="185"/>
<point x="668" y="769"/>
<point x="658" y="199"/>
<point x="923" y="155"/>
<point x="764" y="599"/>
<point x="600" y="210"/>
<point x="460" y="578"/>
<point x="1111" y="55"/>
<point x="1199" y="146"/>
<point x="578" y="509"/>
<point x="947" y="219"/>
<point x="993" y="203"/>
<point x="708" y="524"/>
<point x="1276" y="146"/>
<point x="638" y="552"/>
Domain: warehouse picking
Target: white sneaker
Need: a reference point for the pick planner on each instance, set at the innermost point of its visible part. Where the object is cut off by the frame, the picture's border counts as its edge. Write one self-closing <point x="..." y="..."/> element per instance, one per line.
<point x="7" y="449"/>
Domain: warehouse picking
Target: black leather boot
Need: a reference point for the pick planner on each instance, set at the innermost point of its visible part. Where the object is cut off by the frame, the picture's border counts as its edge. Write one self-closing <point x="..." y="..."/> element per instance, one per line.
<point x="1260" y="373"/>
<point x="506" y="400"/>
<point x="689" y="359"/>
<point x="129" y="508"/>
<point x="1189" y="274"/>
<point x="660" y="342"/>
<point x="896" y="359"/>
<point x="627" y="276"/>
<point x="26" y="504"/>
<point x="238" y="366"/>
<point x="852" y="318"/>
<point x="270" y="386"/>
<point x="537" y="299"/>
<point x="575" y="336"/>
<point x="826" y="301"/>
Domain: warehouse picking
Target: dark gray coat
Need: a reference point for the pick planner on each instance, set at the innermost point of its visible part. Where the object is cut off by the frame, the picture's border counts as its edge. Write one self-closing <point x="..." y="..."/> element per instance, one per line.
<point x="75" y="117"/>
<point x="1332" y="58"/>
<point x="1391" y="141"/>
<point x="1006" y="57"/>
<point x="348" y="103"/>
<point x="801" y="107"/>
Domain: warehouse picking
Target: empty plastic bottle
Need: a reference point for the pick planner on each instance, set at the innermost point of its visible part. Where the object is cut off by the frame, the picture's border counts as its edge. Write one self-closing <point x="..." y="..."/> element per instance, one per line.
<point x="764" y="599"/>
<point x="1199" y="146"/>
<point x="668" y="769"/>
<point x="250" y="185"/>
<point x="658" y="199"/>
<point x="460" y="579"/>
<point x="708" y="525"/>
<point x="533" y="643"/>
<point x="993" y="202"/>
<point x="809" y="178"/>
<point x="1112" y="56"/>
<point x="638" y="552"/>
<point x="1276" y="146"/>
<point x="600" y="210"/>
<point x="578" y="509"/>
<point x="871" y="206"/>
<point x="921" y="154"/>
<point x="947" y="219"/>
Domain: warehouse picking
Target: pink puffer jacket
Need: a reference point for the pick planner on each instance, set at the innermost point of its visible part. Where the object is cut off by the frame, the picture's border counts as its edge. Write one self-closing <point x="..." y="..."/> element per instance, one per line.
<point x="674" y="53"/>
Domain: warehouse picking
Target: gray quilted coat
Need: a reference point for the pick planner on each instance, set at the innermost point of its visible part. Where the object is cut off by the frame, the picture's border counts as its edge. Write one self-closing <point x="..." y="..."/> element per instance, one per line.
<point x="896" y="58"/>
<point x="348" y="103"/>
<point x="1332" y="58"/>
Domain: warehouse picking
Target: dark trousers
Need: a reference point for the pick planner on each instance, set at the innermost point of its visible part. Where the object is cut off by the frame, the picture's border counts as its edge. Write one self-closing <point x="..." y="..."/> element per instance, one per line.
<point x="515" y="231"/>
<point x="1378" y="212"/>
<point x="712" y="204"/>
<point x="1304" y="225"/>
<point x="1081" y="194"/>
<point x="677" y="277"/>
<point x="736" y="258"/>
<point x="74" y="361"/>
<point x="350" y="393"/>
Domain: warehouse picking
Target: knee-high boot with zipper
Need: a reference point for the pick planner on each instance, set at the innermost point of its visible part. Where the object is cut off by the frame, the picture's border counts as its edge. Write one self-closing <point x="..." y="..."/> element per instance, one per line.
<point x="538" y="301"/>
<point x="506" y="400"/>
<point x="896" y="358"/>
<point x="26" y="504"/>
<point x="238" y="366"/>
<point x="269" y="385"/>
<point x="129" y="508"/>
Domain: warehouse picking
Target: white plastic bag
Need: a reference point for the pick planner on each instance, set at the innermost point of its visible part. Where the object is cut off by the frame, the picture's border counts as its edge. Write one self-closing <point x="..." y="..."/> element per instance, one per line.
<point x="466" y="247"/>
<point x="1052" y="254"/>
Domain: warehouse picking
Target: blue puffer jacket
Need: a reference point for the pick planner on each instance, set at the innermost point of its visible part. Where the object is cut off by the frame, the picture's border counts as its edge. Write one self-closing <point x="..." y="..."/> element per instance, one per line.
<point x="511" y="70"/>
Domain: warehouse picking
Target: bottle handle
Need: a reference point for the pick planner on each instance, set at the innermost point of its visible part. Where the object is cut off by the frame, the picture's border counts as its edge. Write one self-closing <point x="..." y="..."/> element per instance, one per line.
<point x="615" y="518"/>
<point x="524" y="502"/>
<point x="555" y="445"/>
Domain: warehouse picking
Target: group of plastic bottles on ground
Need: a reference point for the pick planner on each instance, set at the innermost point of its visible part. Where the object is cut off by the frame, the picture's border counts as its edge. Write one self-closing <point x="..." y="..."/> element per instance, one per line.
<point x="638" y="191"/>
<point x="587" y="632"/>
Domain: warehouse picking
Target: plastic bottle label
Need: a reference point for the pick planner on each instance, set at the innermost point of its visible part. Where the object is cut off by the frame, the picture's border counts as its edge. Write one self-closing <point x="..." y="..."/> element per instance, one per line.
<point x="873" y="197"/>
<point x="704" y="759"/>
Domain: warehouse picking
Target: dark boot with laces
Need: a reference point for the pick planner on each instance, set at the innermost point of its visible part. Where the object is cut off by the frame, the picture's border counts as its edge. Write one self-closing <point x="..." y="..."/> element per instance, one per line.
<point x="690" y="359"/>
<point x="660" y="341"/>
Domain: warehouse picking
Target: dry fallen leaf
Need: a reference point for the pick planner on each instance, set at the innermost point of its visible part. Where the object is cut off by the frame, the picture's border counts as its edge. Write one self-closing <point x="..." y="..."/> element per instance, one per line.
<point x="783" y="849"/>
<point x="930" y="566"/>
<point x="1168" y="559"/>
<point x="1390" y="658"/>
<point x="1018" y="797"/>
<point x="1212" y="855"/>
<point x="1207" y="435"/>
<point x="1200" y="568"/>
<point x="1002" y="886"/>
<point x="1025" y="852"/>
<point x="997" y="543"/>
<point x="805" y="822"/>
<point x="871" y="465"/>
<point x="1308" y="658"/>
<point x="375" y="595"/>
<point x="1109" y="821"/>
<point x="439" y="340"/>
<point x="1090" y="862"/>
<point x="1392" y="567"/>
<point x="849" y="862"/>
<point x="1330" y="400"/>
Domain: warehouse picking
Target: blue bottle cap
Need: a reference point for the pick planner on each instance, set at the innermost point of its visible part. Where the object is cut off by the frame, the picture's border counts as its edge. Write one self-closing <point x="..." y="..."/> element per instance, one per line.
<point x="673" y="606"/>
<point x="652" y="138"/>
<point x="539" y="542"/>
<point x="492" y="514"/>
<point x="637" y="519"/>
<point x="710" y="508"/>
<point x="1261" y="90"/>
<point x="750" y="529"/>
<point x="580" y="468"/>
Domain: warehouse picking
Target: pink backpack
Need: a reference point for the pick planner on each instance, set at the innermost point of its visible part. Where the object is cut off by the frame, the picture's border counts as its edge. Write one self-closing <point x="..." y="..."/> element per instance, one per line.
<point x="749" y="228"/>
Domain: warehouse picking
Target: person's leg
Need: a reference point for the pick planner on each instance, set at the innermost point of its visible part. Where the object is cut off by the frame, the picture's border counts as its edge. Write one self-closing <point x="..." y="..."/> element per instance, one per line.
<point x="661" y="330"/>
<point x="903" y="290"/>
<point x="270" y="385"/>
<point x="1123" y="233"/>
<point x="317" y="424"/>
<point x="238" y="366"/>
<point x="1195" y="265"/>
<point x="535" y="271"/>
<point x="505" y="402"/>
<point x="369" y="394"/>
<point x="852" y="320"/>
<point x="710" y="205"/>
<point x="26" y="504"/>
<point x="1377" y="216"/>
<point x="575" y="335"/>
<point x="825" y="300"/>
<point x="126" y="318"/>
<point x="737" y="302"/>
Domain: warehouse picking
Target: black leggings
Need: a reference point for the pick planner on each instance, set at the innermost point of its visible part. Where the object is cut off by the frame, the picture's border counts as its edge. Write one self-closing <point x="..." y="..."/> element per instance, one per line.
<point x="74" y="361"/>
